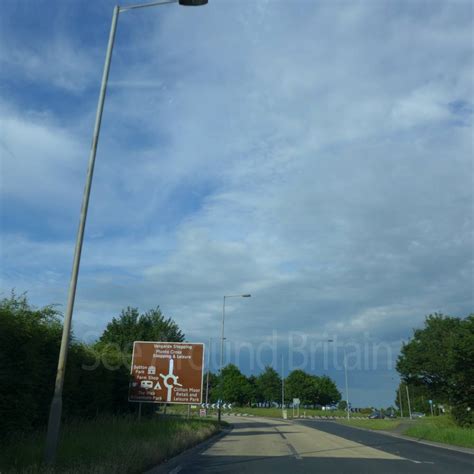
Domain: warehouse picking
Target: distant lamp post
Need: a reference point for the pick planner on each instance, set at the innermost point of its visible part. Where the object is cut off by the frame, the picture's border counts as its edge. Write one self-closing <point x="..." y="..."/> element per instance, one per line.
<point x="345" y="377"/>
<point x="208" y="369"/>
<point x="219" y="415"/>
<point x="347" y="384"/>
<point x="54" y="422"/>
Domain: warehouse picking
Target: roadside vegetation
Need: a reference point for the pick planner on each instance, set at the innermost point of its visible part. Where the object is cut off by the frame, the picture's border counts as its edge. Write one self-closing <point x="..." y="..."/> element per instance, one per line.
<point x="112" y="444"/>
<point x="277" y="413"/>
<point x="270" y="412"/>
<point x="99" y="422"/>
<point x="97" y="374"/>
<point x="441" y="429"/>
<point x="385" y="424"/>
<point x="437" y="369"/>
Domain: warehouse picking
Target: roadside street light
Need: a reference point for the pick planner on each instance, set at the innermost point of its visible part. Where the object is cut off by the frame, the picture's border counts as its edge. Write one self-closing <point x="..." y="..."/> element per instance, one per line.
<point x="345" y="376"/>
<point x="347" y="384"/>
<point x="222" y="346"/>
<point x="54" y="422"/>
<point x="208" y="369"/>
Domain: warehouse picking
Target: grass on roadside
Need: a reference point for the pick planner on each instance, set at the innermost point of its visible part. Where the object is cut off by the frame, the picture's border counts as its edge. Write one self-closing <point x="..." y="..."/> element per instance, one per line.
<point x="276" y="412"/>
<point x="443" y="430"/>
<point x="108" y="445"/>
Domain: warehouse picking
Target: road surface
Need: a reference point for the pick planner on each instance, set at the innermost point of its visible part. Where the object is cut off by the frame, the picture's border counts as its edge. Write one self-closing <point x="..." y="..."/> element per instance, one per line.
<point x="258" y="445"/>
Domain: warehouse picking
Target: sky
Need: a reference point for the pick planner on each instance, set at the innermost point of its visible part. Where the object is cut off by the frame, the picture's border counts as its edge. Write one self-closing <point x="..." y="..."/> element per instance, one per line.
<point x="316" y="154"/>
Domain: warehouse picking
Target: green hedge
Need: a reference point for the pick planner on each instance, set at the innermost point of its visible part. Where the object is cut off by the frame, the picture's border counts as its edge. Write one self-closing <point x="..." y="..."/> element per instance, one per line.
<point x="29" y="348"/>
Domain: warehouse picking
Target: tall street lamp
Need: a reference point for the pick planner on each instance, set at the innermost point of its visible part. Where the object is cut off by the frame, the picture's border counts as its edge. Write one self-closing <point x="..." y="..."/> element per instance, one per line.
<point x="345" y="377"/>
<point x="222" y="347"/>
<point x="347" y="385"/>
<point x="54" y="422"/>
<point x="208" y="369"/>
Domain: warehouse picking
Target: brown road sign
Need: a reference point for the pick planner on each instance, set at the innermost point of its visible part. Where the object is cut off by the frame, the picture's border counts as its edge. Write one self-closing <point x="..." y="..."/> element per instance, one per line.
<point x="166" y="372"/>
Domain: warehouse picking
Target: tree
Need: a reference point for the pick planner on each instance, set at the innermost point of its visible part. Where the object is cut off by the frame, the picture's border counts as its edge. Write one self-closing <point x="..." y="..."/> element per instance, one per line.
<point x="132" y="326"/>
<point x="440" y="358"/>
<point x="327" y="390"/>
<point x="234" y="386"/>
<point x="342" y="405"/>
<point x="302" y="385"/>
<point x="29" y="349"/>
<point x="269" y="385"/>
<point x="255" y="395"/>
<point x="310" y="389"/>
<point x="213" y="387"/>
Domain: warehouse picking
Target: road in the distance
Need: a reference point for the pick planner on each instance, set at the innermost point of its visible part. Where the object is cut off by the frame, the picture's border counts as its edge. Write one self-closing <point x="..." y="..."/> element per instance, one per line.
<point x="259" y="445"/>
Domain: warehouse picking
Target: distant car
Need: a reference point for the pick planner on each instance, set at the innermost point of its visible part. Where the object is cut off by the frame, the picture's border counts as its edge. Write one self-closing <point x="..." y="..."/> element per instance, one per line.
<point x="376" y="415"/>
<point x="417" y="414"/>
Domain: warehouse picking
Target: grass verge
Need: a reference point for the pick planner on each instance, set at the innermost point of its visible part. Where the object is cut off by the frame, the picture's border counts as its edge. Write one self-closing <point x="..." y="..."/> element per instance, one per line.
<point x="441" y="429"/>
<point x="264" y="412"/>
<point x="276" y="412"/>
<point x="108" y="445"/>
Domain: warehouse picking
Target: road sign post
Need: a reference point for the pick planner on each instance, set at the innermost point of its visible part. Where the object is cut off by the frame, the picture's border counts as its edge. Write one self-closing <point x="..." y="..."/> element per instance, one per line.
<point x="166" y="372"/>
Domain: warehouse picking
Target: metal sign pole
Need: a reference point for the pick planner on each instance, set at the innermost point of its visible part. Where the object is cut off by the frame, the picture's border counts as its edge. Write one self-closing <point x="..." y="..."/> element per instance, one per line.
<point x="400" y="400"/>
<point x="408" y="400"/>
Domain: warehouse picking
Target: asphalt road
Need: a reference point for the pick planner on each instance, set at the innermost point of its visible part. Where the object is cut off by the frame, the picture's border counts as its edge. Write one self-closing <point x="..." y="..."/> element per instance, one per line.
<point x="258" y="445"/>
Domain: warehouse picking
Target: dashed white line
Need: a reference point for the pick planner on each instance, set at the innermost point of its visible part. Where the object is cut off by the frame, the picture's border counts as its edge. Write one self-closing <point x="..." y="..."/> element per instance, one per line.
<point x="420" y="462"/>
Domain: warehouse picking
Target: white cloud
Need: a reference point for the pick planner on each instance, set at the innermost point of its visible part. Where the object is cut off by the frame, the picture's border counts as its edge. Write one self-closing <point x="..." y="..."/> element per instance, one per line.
<point x="40" y="159"/>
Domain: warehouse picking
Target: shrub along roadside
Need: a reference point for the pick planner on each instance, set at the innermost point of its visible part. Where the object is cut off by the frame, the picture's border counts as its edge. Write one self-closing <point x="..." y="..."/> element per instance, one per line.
<point x="113" y="444"/>
<point x="441" y="429"/>
<point x="276" y="412"/>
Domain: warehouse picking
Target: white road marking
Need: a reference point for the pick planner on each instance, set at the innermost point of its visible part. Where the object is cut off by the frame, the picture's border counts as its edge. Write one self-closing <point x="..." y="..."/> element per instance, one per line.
<point x="176" y="470"/>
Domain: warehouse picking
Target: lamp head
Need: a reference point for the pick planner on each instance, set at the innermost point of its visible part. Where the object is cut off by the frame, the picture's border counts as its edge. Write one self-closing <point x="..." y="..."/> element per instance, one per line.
<point x="192" y="3"/>
<point x="246" y="296"/>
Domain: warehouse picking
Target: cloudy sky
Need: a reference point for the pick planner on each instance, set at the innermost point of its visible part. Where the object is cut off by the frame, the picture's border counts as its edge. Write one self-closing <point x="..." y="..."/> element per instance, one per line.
<point x="317" y="154"/>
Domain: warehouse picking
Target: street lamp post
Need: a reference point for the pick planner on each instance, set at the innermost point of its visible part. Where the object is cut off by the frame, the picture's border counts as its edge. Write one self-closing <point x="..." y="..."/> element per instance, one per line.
<point x="282" y="389"/>
<point x="408" y="401"/>
<point x="345" y="377"/>
<point x="208" y="368"/>
<point x="54" y="422"/>
<point x="222" y="348"/>
<point x="347" y="385"/>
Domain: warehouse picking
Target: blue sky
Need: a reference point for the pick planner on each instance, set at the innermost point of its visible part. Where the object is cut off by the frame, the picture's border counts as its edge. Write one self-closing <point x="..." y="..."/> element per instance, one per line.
<point x="316" y="154"/>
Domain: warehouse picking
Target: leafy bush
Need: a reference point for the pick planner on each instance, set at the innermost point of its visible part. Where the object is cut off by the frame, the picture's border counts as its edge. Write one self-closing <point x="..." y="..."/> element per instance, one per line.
<point x="439" y="361"/>
<point x="29" y="349"/>
<point x="463" y="415"/>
